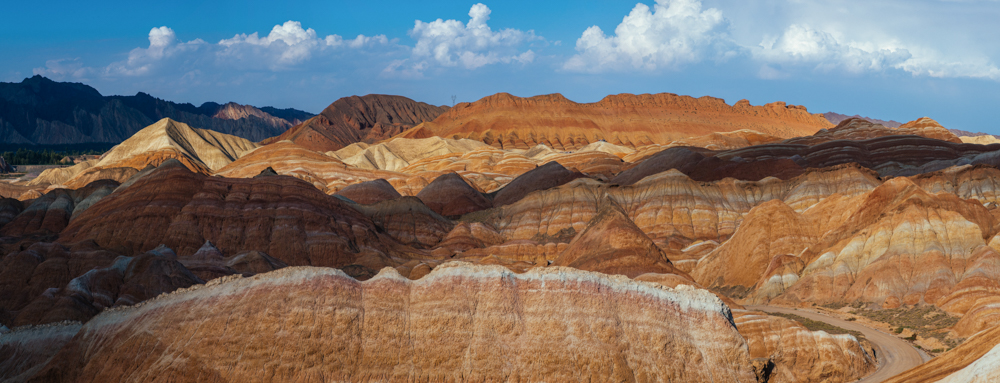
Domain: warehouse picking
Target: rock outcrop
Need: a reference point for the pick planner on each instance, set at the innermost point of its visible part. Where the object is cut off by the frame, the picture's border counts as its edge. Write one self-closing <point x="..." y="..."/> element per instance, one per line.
<point x="409" y="221"/>
<point x="398" y="153"/>
<point x="459" y="322"/>
<point x="125" y="282"/>
<point x="768" y="230"/>
<point x="612" y="244"/>
<point x="282" y="216"/>
<point x="25" y="351"/>
<point x="451" y="196"/>
<point x="671" y="208"/>
<point x="359" y="119"/>
<point x="900" y="245"/>
<point x="287" y="158"/>
<point x="800" y="355"/>
<point x="51" y="212"/>
<point x="861" y="129"/>
<point x="369" y="192"/>
<point x="9" y="209"/>
<point x="198" y="149"/>
<point x="42" y="268"/>
<point x="836" y="118"/>
<point x="543" y="177"/>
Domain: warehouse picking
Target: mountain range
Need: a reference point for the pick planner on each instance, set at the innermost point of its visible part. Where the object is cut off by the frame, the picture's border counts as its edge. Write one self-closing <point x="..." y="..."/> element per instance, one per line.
<point x="39" y="111"/>
<point x="651" y="237"/>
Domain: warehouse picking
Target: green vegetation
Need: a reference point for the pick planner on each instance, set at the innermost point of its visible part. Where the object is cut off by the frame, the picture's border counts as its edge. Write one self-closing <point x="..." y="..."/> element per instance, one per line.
<point x="926" y="321"/>
<point x="24" y="156"/>
<point x="817" y="325"/>
<point x="835" y="305"/>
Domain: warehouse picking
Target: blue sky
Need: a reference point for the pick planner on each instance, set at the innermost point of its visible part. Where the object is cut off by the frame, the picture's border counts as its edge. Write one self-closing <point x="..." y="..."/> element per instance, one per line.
<point x="889" y="59"/>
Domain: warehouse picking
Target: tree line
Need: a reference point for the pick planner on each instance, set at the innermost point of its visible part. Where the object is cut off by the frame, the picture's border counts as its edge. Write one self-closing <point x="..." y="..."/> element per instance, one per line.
<point x="24" y="156"/>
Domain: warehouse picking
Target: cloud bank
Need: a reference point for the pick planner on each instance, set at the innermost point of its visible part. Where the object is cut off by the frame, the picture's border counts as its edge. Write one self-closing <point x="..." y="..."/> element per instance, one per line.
<point x="795" y="39"/>
<point x="675" y="32"/>
<point x="678" y="33"/>
<point x="471" y="45"/>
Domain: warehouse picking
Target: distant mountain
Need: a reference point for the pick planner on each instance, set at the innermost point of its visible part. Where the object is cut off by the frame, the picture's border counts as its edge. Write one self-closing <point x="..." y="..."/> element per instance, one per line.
<point x="836" y="118"/>
<point x="353" y="119"/>
<point x="294" y="115"/>
<point x="39" y="111"/>
<point x="967" y="133"/>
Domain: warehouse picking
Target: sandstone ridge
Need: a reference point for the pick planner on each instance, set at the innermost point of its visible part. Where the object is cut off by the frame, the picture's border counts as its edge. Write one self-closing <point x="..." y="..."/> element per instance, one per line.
<point x="507" y="121"/>
<point x="373" y="328"/>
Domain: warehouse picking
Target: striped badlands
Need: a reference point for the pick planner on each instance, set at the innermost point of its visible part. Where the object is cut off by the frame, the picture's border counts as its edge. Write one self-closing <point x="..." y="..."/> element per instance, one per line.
<point x="459" y="323"/>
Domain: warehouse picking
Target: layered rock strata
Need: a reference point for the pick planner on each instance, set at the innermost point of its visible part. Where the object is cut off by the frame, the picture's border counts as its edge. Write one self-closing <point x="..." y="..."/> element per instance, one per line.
<point x="282" y="216"/>
<point x="353" y="119"/>
<point x="507" y="121"/>
<point x="459" y="322"/>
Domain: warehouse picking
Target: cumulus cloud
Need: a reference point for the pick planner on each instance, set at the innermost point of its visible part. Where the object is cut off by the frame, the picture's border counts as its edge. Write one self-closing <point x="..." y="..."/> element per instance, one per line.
<point x="801" y="44"/>
<point x="287" y="46"/>
<point x="933" y="66"/>
<point x="677" y="32"/>
<point x="471" y="45"/>
<point x="673" y="33"/>
<point x="64" y="68"/>
<point x="163" y="46"/>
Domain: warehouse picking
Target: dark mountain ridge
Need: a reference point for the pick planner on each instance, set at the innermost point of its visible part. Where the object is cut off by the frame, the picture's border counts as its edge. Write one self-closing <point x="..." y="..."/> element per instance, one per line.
<point x="39" y="111"/>
<point x="836" y="118"/>
<point x="368" y="118"/>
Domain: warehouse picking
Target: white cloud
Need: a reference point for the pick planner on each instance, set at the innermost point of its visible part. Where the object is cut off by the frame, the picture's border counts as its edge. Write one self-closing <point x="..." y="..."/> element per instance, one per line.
<point x="828" y="50"/>
<point x="64" y="68"/>
<point x="801" y="44"/>
<point x="936" y="67"/>
<point x="673" y="33"/>
<point x="451" y="43"/>
<point x="812" y="36"/>
<point x="287" y="45"/>
<point x="163" y="46"/>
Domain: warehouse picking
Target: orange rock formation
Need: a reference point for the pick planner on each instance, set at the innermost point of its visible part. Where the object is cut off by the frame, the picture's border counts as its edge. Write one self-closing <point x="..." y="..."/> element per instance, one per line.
<point x="508" y="121"/>
<point x="459" y="322"/>
<point x="279" y="215"/>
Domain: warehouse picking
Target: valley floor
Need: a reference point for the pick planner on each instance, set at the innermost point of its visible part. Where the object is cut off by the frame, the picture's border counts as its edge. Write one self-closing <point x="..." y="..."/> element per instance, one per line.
<point x="895" y="355"/>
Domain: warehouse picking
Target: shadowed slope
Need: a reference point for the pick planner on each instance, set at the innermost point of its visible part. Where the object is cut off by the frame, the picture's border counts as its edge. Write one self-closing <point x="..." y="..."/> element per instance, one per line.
<point x="543" y="177"/>
<point x="857" y="129"/>
<point x="613" y="244"/>
<point x="769" y="229"/>
<point x="198" y="149"/>
<point x="279" y="215"/>
<point x="451" y="196"/>
<point x="353" y="119"/>
<point x="369" y="192"/>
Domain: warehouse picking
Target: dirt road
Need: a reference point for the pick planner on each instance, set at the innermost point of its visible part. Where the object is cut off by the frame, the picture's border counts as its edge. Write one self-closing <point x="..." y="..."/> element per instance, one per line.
<point x="895" y="355"/>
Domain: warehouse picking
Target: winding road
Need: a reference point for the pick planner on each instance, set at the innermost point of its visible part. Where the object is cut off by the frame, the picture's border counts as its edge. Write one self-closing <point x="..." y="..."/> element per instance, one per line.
<point x="894" y="355"/>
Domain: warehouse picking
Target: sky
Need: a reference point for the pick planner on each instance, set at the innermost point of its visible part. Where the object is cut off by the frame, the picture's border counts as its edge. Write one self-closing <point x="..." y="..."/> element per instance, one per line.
<point x="887" y="59"/>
